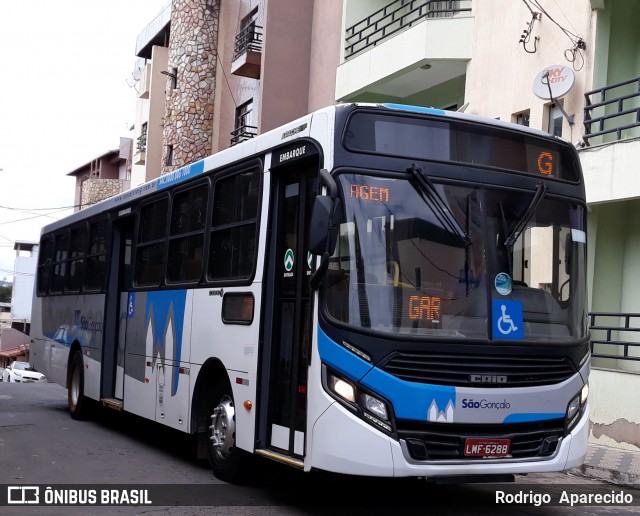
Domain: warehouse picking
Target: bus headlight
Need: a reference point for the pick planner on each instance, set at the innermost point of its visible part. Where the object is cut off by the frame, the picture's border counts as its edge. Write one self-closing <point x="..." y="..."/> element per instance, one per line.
<point x="576" y="406"/>
<point x="584" y="394"/>
<point x="375" y="406"/>
<point x="367" y="406"/>
<point x="573" y="408"/>
<point x="341" y="388"/>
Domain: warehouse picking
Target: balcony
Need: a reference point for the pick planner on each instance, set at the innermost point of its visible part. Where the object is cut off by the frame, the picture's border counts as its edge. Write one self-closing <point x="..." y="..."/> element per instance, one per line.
<point x="612" y="137"/>
<point x="247" y="53"/>
<point x="612" y="113"/>
<point x="155" y="33"/>
<point x="395" y="17"/>
<point x="145" y="81"/>
<point x="614" y="342"/>
<point x="141" y="146"/>
<point x="139" y="158"/>
<point x="243" y="133"/>
<point x="405" y="48"/>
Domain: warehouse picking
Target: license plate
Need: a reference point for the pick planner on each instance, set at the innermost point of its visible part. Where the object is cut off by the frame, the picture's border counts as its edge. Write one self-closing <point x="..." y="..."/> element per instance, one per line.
<point x="474" y="447"/>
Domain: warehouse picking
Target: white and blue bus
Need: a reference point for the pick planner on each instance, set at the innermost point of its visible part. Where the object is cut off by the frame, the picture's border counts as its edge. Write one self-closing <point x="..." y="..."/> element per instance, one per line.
<point x="380" y="290"/>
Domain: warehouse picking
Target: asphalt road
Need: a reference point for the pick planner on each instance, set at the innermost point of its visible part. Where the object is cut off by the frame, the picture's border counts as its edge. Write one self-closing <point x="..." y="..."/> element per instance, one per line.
<point x="40" y="445"/>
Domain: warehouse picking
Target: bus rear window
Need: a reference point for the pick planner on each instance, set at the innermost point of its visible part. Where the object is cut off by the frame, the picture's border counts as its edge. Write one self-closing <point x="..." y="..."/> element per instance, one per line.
<point x="456" y="141"/>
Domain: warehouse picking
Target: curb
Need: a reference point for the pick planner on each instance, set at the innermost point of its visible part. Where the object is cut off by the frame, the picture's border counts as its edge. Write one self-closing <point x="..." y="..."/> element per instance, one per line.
<point x="608" y="475"/>
<point x="613" y="465"/>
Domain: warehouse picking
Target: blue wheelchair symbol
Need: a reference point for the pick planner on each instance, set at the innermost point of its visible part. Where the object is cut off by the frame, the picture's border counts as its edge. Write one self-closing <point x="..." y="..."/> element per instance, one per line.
<point x="507" y="319"/>
<point x="131" y="304"/>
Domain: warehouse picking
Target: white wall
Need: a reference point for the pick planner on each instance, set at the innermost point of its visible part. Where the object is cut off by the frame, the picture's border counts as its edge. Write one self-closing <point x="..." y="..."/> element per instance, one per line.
<point x="610" y="171"/>
<point x="23" y="282"/>
<point x="615" y="417"/>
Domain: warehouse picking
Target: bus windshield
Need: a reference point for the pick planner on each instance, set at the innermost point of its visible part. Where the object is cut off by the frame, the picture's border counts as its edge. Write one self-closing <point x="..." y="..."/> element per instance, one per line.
<point x="413" y="263"/>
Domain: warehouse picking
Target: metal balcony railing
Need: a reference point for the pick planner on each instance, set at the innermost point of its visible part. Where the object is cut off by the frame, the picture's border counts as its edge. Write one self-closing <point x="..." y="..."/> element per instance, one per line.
<point x="395" y="17"/>
<point x="248" y="39"/>
<point x="606" y="330"/>
<point x="243" y="133"/>
<point x="611" y="110"/>
<point x="141" y="143"/>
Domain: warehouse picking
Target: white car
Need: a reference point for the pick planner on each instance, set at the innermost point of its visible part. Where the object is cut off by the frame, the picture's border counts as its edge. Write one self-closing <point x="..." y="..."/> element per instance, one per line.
<point x="22" y="372"/>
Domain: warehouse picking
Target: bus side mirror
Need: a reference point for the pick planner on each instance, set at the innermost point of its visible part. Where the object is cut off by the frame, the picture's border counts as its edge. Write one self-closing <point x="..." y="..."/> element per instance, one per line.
<point x="323" y="234"/>
<point x="319" y="227"/>
<point x="568" y="251"/>
<point x="323" y="230"/>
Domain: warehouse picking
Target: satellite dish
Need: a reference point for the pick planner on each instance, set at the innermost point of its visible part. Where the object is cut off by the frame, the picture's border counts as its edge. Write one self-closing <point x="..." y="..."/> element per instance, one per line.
<point x="553" y="82"/>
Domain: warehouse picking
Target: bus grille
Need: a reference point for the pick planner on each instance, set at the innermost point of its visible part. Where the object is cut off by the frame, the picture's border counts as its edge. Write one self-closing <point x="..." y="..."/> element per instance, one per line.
<point x="467" y="370"/>
<point x="445" y="441"/>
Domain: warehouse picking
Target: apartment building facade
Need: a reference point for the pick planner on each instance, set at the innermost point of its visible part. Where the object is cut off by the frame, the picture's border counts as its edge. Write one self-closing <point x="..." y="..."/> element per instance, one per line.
<point x="488" y="59"/>
<point x="213" y="74"/>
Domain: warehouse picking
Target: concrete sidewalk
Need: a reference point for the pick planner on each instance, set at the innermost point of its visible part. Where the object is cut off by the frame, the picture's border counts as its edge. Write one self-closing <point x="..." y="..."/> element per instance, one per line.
<point x="610" y="464"/>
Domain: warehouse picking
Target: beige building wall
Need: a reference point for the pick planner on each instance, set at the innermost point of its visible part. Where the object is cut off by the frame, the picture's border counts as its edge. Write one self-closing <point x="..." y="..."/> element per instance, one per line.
<point x="150" y="110"/>
<point x="326" y="45"/>
<point x="301" y="52"/>
<point x="286" y="49"/>
<point x="231" y="90"/>
<point x="157" y="96"/>
<point x="500" y="74"/>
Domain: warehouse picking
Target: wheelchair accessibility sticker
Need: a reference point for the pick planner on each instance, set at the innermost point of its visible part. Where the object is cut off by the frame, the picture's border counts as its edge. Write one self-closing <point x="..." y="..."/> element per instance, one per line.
<point x="131" y="303"/>
<point x="507" y="319"/>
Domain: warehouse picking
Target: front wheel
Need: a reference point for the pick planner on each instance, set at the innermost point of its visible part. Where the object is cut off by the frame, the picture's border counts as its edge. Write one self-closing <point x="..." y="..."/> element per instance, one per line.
<point x="229" y="463"/>
<point x="78" y="403"/>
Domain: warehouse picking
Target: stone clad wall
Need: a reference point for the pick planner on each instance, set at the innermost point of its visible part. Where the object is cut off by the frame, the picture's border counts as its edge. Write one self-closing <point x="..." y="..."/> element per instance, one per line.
<point x="95" y="190"/>
<point x="188" y="122"/>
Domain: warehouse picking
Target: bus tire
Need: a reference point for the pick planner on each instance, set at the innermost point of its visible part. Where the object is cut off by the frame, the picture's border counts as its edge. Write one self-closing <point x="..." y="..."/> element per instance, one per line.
<point x="78" y="403"/>
<point x="228" y="462"/>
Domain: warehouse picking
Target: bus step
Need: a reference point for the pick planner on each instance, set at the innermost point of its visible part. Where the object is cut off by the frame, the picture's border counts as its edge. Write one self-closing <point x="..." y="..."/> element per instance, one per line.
<point x="112" y="403"/>
<point x="285" y="459"/>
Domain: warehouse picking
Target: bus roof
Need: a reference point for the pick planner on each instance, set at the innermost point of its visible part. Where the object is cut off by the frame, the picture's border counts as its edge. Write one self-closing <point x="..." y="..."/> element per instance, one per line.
<point x="282" y="135"/>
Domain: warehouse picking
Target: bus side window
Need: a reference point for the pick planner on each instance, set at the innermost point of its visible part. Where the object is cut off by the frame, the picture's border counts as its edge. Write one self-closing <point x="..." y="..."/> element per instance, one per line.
<point x="45" y="259"/>
<point x="60" y="262"/>
<point x="96" y="270"/>
<point x="186" y="240"/>
<point x="234" y="226"/>
<point x="149" y="267"/>
<point x="77" y="249"/>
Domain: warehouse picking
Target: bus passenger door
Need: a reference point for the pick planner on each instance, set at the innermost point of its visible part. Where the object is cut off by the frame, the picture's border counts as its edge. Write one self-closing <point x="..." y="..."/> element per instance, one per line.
<point x="112" y="385"/>
<point x="288" y="315"/>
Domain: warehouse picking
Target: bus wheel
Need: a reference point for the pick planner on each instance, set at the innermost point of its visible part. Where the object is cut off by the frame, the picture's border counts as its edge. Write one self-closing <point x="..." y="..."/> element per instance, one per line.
<point x="78" y="404"/>
<point x="229" y="463"/>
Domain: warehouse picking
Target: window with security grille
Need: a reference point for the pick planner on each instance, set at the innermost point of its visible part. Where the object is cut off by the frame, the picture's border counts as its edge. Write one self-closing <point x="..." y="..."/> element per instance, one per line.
<point x="244" y="128"/>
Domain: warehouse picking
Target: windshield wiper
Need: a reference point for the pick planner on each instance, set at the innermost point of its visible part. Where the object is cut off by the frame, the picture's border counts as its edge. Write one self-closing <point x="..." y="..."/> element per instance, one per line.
<point x="541" y="190"/>
<point x="438" y="203"/>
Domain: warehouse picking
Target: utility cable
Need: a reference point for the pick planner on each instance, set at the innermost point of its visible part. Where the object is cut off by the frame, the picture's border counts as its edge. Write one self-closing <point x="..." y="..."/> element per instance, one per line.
<point x="574" y="54"/>
<point x="525" y="38"/>
<point x="41" y="209"/>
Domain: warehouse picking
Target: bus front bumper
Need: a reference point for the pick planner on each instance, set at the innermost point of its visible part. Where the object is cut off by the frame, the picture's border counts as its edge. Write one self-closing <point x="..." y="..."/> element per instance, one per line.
<point x="343" y="443"/>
